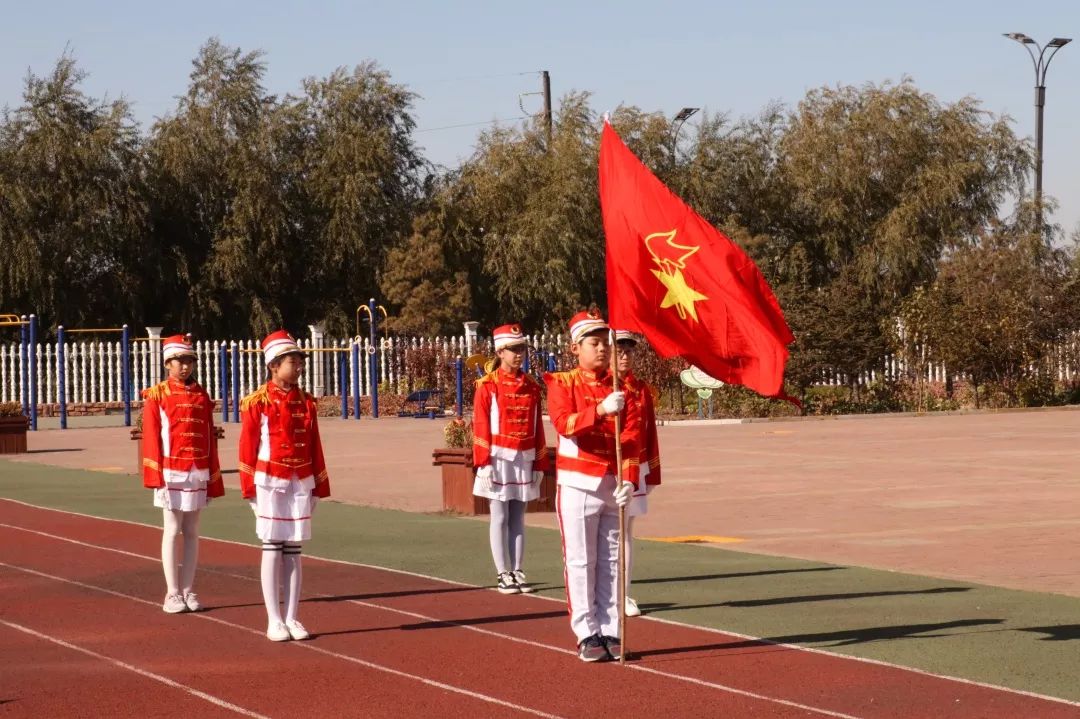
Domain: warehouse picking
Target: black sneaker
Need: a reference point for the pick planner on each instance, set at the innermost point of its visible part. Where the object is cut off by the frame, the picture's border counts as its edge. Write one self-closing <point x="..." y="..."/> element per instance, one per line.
<point x="613" y="647"/>
<point x="507" y="584"/>
<point x="592" y="649"/>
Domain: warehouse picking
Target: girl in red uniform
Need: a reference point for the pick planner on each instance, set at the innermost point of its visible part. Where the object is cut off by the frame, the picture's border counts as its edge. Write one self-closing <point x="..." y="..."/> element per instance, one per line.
<point x="282" y="475"/>
<point x="509" y="453"/>
<point x="180" y="463"/>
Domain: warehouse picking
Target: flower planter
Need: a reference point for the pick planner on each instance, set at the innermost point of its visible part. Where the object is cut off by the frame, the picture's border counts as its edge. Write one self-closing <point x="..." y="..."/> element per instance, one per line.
<point x="13" y="434"/>
<point x="136" y="436"/>
<point x="457" y="484"/>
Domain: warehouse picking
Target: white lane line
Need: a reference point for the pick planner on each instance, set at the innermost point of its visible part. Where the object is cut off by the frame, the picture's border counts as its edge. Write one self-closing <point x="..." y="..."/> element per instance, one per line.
<point x="141" y="672"/>
<point x="672" y="622"/>
<point x="437" y="620"/>
<point x="303" y="645"/>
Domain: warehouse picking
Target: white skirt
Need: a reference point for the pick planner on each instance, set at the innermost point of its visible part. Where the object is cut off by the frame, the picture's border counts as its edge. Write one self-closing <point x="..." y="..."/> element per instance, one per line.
<point x="283" y="508"/>
<point x="512" y="480"/>
<point x="183" y="491"/>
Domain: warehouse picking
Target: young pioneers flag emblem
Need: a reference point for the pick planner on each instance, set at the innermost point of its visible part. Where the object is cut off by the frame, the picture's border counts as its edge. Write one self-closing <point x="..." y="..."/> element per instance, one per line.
<point x="682" y="283"/>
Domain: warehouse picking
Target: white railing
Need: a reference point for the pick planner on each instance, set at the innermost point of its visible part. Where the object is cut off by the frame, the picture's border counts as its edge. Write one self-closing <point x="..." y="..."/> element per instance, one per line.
<point x="93" y="370"/>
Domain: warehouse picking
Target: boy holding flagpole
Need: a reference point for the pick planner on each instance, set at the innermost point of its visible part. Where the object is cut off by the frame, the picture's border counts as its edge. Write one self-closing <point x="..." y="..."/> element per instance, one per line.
<point x="587" y="408"/>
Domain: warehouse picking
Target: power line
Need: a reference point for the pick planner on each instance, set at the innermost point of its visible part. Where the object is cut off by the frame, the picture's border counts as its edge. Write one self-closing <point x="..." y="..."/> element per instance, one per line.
<point x="474" y="124"/>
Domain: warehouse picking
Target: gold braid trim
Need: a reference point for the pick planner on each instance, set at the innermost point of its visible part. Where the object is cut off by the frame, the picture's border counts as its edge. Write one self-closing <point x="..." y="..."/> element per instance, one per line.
<point x="157" y="392"/>
<point x="259" y="396"/>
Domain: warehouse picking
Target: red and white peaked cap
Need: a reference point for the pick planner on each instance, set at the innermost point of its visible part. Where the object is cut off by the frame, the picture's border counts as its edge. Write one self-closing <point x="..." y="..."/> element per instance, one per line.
<point x="584" y="323"/>
<point x="508" y="336"/>
<point x="176" y="346"/>
<point x="278" y="344"/>
<point x="626" y="336"/>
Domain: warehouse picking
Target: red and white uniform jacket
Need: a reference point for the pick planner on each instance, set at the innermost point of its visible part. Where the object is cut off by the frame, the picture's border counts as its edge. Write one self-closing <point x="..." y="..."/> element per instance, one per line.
<point x="645" y="397"/>
<point x="586" y="447"/>
<point x="178" y="438"/>
<point x="507" y="419"/>
<point x="279" y="439"/>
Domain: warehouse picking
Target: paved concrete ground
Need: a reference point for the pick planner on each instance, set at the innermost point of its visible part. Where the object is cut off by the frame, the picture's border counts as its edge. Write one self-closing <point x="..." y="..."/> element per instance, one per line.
<point x="991" y="498"/>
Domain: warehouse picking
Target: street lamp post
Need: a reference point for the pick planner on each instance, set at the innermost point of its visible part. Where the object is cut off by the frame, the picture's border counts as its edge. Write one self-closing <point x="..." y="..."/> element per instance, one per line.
<point x="1041" y="63"/>
<point x="677" y="122"/>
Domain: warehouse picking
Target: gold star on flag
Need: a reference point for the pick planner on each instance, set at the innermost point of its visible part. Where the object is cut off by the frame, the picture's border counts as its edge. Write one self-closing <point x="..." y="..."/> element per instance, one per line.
<point x="679" y="295"/>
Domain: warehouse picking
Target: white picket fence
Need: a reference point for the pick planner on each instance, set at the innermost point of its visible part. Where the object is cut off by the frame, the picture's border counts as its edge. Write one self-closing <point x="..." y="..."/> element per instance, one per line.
<point x="93" y="369"/>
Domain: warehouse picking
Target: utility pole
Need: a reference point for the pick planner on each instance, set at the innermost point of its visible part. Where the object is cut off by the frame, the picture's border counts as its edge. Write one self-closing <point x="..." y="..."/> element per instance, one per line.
<point x="547" y="106"/>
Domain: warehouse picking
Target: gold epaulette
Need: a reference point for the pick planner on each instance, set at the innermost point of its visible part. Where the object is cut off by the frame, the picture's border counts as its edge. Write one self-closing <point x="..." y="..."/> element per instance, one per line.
<point x="259" y="396"/>
<point x="157" y="392"/>
<point x="563" y="378"/>
<point x="486" y="379"/>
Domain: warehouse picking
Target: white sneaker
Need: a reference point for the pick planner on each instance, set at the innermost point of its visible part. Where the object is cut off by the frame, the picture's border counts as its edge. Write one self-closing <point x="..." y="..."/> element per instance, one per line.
<point x="632" y="609"/>
<point x="277" y="632"/>
<point x="523" y="585"/>
<point x="174" y="604"/>
<point x="191" y="599"/>
<point x="296" y="630"/>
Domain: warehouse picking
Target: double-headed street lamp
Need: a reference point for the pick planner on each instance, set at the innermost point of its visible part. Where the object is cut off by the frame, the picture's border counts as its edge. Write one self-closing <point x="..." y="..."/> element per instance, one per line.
<point x="1041" y="63"/>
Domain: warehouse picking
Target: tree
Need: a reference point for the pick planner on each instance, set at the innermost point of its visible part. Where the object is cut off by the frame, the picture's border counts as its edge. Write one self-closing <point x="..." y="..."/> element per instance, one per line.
<point x="73" y="212"/>
<point x="993" y="313"/>
<point x="261" y="200"/>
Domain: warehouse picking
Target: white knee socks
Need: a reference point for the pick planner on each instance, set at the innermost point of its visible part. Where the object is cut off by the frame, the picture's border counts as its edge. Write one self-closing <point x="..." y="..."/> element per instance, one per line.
<point x="292" y="579"/>
<point x="190" y="527"/>
<point x="271" y="578"/>
<point x="172" y="521"/>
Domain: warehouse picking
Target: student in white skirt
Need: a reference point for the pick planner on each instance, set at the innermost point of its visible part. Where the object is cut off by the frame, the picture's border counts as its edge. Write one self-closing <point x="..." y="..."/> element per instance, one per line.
<point x="180" y="463"/>
<point x="282" y="475"/>
<point x="649" y="469"/>
<point x="509" y="453"/>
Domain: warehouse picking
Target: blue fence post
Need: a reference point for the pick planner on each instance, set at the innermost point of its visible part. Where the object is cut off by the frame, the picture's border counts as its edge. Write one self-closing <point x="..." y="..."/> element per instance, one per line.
<point x="125" y="377"/>
<point x="235" y="381"/>
<point x="61" y="400"/>
<point x="552" y="367"/>
<point x="459" y="371"/>
<point x="343" y="382"/>
<point x="356" y="375"/>
<point x="223" y="381"/>
<point x="24" y="387"/>
<point x="33" y="373"/>
<point x="525" y="364"/>
<point x="374" y="360"/>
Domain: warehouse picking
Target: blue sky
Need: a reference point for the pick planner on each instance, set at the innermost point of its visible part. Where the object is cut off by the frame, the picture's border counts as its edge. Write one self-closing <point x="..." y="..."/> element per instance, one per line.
<point x="466" y="59"/>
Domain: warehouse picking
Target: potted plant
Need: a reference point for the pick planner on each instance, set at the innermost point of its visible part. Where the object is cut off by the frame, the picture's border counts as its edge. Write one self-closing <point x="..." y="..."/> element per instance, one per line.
<point x="455" y="461"/>
<point x="13" y="426"/>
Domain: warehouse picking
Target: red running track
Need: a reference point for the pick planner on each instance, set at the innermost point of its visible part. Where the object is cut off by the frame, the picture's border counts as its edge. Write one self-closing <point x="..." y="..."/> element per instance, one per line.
<point x="388" y="644"/>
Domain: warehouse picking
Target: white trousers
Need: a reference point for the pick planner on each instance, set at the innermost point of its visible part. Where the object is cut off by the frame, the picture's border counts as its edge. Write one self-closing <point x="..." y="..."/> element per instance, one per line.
<point x="589" y="522"/>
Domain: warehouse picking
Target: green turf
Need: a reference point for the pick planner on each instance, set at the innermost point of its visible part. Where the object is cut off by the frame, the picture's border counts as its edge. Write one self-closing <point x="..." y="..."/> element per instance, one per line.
<point x="1024" y="640"/>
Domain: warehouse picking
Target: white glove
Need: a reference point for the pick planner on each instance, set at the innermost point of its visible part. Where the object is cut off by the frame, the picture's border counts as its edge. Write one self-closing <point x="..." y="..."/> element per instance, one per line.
<point x="613" y="403"/>
<point x="484" y="475"/>
<point x="624" y="492"/>
<point x="537" y="477"/>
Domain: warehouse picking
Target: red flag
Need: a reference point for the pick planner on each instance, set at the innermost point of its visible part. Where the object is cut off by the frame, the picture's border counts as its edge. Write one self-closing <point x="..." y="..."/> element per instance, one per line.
<point x="682" y="283"/>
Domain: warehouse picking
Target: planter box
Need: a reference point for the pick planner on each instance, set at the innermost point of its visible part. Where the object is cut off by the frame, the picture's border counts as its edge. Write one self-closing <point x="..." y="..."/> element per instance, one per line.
<point x="13" y="434"/>
<point x="457" y="484"/>
<point x="136" y="436"/>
